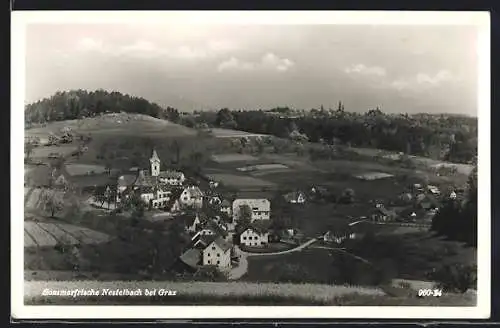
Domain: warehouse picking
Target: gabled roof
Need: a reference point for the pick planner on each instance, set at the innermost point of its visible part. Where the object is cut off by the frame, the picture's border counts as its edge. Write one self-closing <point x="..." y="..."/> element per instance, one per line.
<point x="224" y="245"/>
<point x="188" y="218"/>
<point x="205" y="240"/>
<point x="171" y="174"/>
<point x="191" y="257"/>
<point x="194" y="191"/>
<point x="144" y="179"/>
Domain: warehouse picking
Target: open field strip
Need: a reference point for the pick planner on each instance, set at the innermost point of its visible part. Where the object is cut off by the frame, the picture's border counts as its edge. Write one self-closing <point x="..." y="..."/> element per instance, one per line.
<point x="227" y="158"/>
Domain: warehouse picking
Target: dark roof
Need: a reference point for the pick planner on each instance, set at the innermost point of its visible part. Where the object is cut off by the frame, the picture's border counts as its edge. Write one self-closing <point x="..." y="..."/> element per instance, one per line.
<point x="224" y="245"/>
<point x="144" y="179"/>
<point x="205" y="240"/>
<point x="176" y="193"/>
<point x="191" y="257"/>
<point x="188" y="218"/>
<point x="170" y="174"/>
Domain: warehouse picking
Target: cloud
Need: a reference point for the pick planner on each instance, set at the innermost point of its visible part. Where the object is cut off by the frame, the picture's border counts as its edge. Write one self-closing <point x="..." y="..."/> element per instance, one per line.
<point x="422" y="81"/>
<point x="268" y="62"/>
<point x="365" y="70"/>
<point x="147" y="49"/>
<point x="89" y="44"/>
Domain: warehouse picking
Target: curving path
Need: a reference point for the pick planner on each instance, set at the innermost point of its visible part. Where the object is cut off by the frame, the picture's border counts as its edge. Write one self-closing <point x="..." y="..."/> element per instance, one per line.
<point x="241" y="269"/>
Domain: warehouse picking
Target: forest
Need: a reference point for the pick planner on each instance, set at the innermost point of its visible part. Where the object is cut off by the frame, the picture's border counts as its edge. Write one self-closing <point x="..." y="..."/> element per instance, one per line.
<point x="445" y="137"/>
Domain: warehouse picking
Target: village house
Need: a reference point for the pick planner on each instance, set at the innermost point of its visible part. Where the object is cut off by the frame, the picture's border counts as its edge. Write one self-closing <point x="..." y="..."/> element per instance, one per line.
<point x="218" y="253"/>
<point x="338" y="237"/>
<point x="191" y="221"/>
<point x="261" y="208"/>
<point x="295" y="197"/>
<point x="191" y="196"/>
<point x="382" y="214"/>
<point x="252" y="237"/>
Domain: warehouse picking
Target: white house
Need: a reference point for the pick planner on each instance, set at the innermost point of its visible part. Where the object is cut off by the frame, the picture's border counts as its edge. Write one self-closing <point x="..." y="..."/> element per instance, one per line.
<point x="250" y="237"/>
<point x="172" y="178"/>
<point x="261" y="208"/>
<point x="218" y="253"/>
<point x="296" y="197"/>
<point x="453" y="195"/>
<point x="191" y="196"/>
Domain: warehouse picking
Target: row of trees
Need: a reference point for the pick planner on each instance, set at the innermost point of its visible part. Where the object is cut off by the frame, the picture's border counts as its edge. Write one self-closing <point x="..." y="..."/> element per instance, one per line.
<point x="457" y="219"/>
<point x="445" y="137"/>
<point x="77" y="104"/>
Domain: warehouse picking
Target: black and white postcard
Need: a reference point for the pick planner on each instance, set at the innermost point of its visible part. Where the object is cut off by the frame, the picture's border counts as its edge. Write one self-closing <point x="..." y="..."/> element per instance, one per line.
<point x="192" y="165"/>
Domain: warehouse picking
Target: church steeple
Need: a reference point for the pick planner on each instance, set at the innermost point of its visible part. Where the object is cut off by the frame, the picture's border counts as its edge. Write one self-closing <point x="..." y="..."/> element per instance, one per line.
<point x="155" y="164"/>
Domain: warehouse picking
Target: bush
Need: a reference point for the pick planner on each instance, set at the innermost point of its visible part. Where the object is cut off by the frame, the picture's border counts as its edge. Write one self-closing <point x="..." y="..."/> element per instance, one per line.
<point x="455" y="278"/>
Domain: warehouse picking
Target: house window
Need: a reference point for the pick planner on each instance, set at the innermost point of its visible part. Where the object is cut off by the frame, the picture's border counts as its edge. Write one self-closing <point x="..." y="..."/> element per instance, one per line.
<point x="208" y="254"/>
<point x="218" y="262"/>
<point x="218" y="254"/>
<point x="244" y="238"/>
<point x="209" y="262"/>
<point x="185" y="199"/>
<point x="213" y="248"/>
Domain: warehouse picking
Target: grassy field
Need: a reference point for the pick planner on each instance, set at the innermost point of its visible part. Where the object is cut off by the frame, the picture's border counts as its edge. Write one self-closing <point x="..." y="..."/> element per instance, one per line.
<point x="240" y="181"/>
<point x="385" y="256"/>
<point x="227" y="133"/>
<point x="116" y="124"/>
<point x="83" y="169"/>
<point x="229" y="158"/>
<point x="44" y="151"/>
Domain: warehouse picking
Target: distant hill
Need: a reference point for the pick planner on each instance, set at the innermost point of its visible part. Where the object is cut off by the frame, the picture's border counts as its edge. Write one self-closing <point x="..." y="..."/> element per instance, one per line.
<point x="76" y="104"/>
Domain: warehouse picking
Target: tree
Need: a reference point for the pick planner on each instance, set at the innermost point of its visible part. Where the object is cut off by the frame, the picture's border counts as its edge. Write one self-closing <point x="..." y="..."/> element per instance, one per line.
<point x="455" y="277"/>
<point x="347" y="196"/>
<point x="28" y="150"/>
<point x="52" y="201"/>
<point x="225" y="119"/>
<point x="99" y="196"/>
<point x="245" y="219"/>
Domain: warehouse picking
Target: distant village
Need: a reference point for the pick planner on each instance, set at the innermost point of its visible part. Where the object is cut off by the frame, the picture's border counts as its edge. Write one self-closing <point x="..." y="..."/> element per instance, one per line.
<point x="220" y="226"/>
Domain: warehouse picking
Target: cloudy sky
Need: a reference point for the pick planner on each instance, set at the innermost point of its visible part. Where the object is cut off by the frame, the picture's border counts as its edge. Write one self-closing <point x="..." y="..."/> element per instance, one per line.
<point x="398" y="68"/>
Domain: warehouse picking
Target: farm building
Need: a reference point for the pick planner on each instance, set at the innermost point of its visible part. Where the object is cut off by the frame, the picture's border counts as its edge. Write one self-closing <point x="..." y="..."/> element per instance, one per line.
<point x="218" y="253"/>
<point x="252" y="237"/>
<point x="261" y="208"/>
